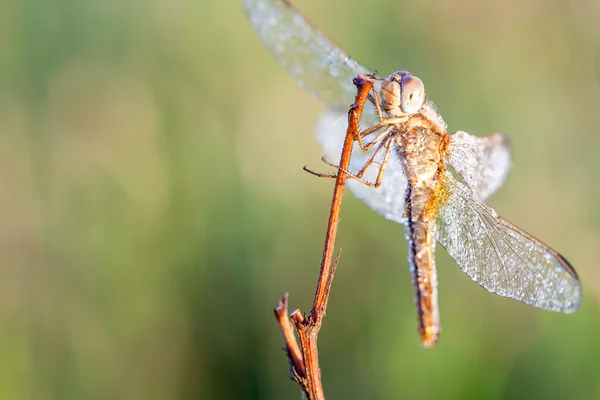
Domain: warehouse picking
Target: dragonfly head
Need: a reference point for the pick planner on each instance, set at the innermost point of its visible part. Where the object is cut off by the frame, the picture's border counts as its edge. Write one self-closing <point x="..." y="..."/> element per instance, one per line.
<point x="402" y="93"/>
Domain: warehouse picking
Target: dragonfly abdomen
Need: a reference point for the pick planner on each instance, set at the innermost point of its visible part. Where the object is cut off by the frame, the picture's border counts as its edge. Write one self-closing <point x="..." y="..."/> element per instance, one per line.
<point x="421" y="256"/>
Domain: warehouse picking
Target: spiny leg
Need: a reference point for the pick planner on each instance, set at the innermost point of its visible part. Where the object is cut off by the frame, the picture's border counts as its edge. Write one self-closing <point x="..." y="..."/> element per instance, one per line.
<point x="349" y="174"/>
<point x="366" y="147"/>
<point x="357" y="177"/>
<point x="371" y="159"/>
<point x="382" y="166"/>
<point x="375" y="100"/>
<point x="383" y="122"/>
<point x="383" y="135"/>
<point x="384" y="144"/>
<point x="369" y="162"/>
<point x="382" y="139"/>
<point x="319" y="174"/>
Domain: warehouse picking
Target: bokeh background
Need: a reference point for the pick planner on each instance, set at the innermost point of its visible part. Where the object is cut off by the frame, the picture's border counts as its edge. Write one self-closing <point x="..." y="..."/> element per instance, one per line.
<point x="153" y="206"/>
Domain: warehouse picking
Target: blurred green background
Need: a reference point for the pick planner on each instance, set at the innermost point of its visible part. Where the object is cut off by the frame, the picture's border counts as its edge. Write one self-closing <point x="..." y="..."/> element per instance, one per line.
<point x="153" y="205"/>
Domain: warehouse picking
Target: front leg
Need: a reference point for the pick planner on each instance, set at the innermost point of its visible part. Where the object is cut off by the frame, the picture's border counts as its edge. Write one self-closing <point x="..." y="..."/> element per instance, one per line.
<point x="387" y="123"/>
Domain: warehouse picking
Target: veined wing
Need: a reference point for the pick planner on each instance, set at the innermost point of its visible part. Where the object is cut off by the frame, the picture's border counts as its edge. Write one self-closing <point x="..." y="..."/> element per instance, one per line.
<point x="483" y="162"/>
<point x="327" y="72"/>
<point x="308" y="55"/>
<point x="388" y="198"/>
<point x="499" y="256"/>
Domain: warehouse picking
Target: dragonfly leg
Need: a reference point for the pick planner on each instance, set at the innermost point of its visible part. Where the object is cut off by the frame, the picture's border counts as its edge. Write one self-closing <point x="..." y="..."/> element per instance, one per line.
<point x="364" y="83"/>
<point x="350" y="175"/>
<point x="367" y="146"/>
<point x="384" y="144"/>
<point x="382" y="140"/>
<point x="384" y="162"/>
<point x="388" y="123"/>
<point x="326" y="175"/>
<point x="371" y="159"/>
<point x="382" y="119"/>
<point x="319" y="174"/>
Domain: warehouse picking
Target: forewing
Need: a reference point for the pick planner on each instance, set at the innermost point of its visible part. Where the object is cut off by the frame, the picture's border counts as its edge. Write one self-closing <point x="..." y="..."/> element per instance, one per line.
<point x="306" y="53"/>
<point x="499" y="256"/>
<point x="483" y="162"/>
<point x="327" y="72"/>
<point x="388" y="198"/>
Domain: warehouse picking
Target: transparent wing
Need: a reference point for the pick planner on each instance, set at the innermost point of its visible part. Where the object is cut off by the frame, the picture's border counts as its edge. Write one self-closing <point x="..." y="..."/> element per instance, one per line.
<point x="388" y="198"/>
<point x="306" y="53"/>
<point x="499" y="256"/>
<point x="483" y="162"/>
<point x="327" y="72"/>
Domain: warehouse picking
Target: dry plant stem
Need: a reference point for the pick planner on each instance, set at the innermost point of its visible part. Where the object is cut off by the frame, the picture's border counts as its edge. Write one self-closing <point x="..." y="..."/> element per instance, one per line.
<point x="291" y="348"/>
<point x="354" y="114"/>
<point x="304" y="358"/>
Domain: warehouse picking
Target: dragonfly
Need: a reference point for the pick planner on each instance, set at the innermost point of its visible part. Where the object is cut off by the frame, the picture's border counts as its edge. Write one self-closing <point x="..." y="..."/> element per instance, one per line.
<point x="408" y="168"/>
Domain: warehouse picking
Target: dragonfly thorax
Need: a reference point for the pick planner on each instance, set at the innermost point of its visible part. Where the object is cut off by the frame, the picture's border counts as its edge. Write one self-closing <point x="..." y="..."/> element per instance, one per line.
<point x="402" y="93"/>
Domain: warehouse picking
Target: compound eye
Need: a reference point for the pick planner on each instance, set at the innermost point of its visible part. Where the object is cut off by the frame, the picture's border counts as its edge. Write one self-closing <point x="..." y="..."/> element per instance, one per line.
<point x="412" y="95"/>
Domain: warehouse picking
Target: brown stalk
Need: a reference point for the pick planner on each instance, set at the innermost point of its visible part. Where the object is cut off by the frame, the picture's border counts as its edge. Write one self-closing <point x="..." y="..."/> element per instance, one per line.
<point x="303" y="356"/>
